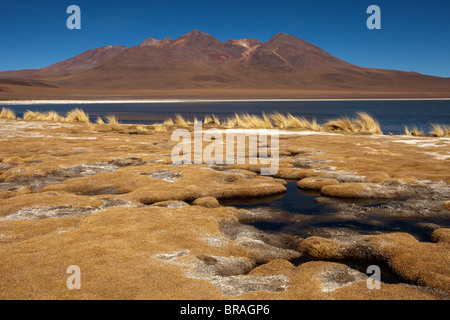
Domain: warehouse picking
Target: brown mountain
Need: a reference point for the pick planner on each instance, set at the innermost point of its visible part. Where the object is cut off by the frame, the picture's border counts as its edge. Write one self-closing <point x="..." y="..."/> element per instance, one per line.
<point x="80" y="63"/>
<point x="284" y="66"/>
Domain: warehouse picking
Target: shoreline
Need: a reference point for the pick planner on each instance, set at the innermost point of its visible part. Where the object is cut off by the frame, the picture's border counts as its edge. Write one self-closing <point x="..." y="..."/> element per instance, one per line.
<point x="180" y="101"/>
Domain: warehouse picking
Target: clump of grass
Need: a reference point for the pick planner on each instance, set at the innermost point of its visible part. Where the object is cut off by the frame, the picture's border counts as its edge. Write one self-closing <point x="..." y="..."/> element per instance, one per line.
<point x="100" y="121"/>
<point x="216" y="120"/>
<point x="52" y="116"/>
<point x="7" y="114"/>
<point x="169" y="122"/>
<point x="77" y="115"/>
<point x="440" y="131"/>
<point x="212" y="119"/>
<point x="268" y="124"/>
<point x="179" y="121"/>
<point x="362" y="123"/>
<point x="414" y="132"/>
<point x="280" y="121"/>
<point x="230" y="123"/>
<point x="315" y="126"/>
<point x="302" y="123"/>
<point x="251" y="121"/>
<point x="296" y="122"/>
<point x="237" y="120"/>
<point x="208" y="120"/>
<point x="30" y="116"/>
<point x="366" y="123"/>
<point x="114" y="123"/>
<point x="343" y="124"/>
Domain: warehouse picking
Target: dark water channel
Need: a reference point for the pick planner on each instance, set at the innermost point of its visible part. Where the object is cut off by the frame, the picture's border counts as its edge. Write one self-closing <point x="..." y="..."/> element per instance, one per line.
<point x="304" y="215"/>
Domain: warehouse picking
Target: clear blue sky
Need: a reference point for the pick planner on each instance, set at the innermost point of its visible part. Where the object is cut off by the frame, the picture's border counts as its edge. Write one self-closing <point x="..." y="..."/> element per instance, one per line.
<point x="415" y="35"/>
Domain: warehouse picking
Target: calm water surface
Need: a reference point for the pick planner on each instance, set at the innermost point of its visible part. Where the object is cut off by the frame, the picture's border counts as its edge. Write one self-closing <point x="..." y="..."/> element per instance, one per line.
<point x="306" y="217"/>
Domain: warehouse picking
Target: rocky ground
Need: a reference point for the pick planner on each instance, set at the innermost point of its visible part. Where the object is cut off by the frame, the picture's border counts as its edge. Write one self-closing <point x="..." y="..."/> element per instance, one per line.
<point x="140" y="227"/>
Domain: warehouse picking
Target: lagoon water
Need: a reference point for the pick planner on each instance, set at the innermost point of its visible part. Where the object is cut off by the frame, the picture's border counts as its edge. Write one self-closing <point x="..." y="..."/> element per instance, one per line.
<point x="305" y="217"/>
<point x="393" y="115"/>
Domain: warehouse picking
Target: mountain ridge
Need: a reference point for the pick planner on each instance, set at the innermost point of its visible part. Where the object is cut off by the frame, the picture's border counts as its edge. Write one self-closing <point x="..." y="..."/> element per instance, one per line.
<point x="197" y="60"/>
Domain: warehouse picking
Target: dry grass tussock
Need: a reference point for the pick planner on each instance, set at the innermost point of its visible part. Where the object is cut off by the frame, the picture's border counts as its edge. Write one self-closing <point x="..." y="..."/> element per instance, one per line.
<point x="50" y="116"/>
<point x="179" y="121"/>
<point x="415" y="132"/>
<point x="77" y="115"/>
<point x="366" y="123"/>
<point x="7" y="114"/>
<point x="362" y="123"/>
<point x="252" y="121"/>
<point x="440" y="130"/>
<point x="114" y="123"/>
<point x="169" y="122"/>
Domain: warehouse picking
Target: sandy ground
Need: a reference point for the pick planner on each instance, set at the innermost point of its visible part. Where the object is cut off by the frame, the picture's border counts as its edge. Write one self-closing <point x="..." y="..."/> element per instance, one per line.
<point x="140" y="227"/>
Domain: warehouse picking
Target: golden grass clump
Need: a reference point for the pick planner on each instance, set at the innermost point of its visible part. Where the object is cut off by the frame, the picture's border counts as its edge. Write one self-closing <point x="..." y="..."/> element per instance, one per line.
<point x="366" y="123"/>
<point x="267" y="122"/>
<point x="296" y="122"/>
<point x="100" y="121"/>
<point x="249" y="121"/>
<point x="179" y="121"/>
<point x="7" y="114"/>
<point x="216" y="120"/>
<point x="114" y="123"/>
<point x="302" y="123"/>
<point x="280" y="121"/>
<point x="415" y="132"/>
<point x="230" y="123"/>
<point x="30" y="115"/>
<point x="212" y="119"/>
<point x="362" y="123"/>
<point x="169" y="122"/>
<point x="77" y="115"/>
<point x="315" y="126"/>
<point x="52" y="116"/>
<point x="343" y="124"/>
<point x="208" y="120"/>
<point x="237" y="120"/>
<point x="440" y="131"/>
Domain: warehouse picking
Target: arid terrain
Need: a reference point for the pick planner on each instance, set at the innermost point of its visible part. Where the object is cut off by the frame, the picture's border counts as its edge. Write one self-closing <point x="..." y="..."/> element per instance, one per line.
<point x="112" y="202"/>
<point x="197" y="65"/>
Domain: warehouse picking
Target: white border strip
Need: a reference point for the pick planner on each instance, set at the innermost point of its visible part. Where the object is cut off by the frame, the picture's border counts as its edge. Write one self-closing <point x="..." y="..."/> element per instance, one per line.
<point x="42" y="102"/>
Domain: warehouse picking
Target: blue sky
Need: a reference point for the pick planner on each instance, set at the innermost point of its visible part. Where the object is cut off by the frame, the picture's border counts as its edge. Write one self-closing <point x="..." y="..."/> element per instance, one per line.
<point x="415" y="35"/>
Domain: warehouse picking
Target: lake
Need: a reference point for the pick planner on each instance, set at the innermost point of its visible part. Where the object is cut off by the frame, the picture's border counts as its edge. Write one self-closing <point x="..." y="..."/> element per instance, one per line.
<point x="393" y="115"/>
